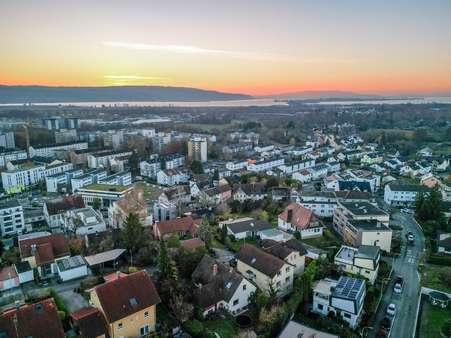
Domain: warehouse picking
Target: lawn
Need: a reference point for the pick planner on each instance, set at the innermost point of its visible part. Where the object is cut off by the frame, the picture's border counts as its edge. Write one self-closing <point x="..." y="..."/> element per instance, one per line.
<point x="236" y="245"/>
<point x="224" y="327"/>
<point x="151" y="191"/>
<point x="432" y="320"/>
<point x="434" y="277"/>
<point x="328" y="240"/>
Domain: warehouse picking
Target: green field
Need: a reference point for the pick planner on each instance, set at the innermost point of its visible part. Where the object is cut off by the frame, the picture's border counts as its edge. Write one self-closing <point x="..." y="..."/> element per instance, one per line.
<point x="433" y="276"/>
<point x="151" y="191"/>
<point x="432" y="320"/>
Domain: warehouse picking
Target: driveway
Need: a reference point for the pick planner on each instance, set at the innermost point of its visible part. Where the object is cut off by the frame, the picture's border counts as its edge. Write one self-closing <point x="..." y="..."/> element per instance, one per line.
<point x="406" y="266"/>
<point x="223" y="255"/>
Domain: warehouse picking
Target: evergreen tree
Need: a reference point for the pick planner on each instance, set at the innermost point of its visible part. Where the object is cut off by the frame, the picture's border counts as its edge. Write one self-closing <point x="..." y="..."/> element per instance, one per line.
<point x="133" y="233"/>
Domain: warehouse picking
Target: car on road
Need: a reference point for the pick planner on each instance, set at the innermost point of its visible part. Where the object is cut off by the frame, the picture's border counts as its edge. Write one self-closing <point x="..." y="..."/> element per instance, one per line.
<point x="410" y="236"/>
<point x="399" y="284"/>
<point x="384" y="327"/>
<point x="391" y="309"/>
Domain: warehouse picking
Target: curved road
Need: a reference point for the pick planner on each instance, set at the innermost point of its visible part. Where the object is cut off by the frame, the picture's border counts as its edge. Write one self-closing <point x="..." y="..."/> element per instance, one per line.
<point x="406" y="266"/>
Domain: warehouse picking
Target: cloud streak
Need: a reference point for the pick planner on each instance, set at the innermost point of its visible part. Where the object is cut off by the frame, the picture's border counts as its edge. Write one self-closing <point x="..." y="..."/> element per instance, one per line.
<point x="135" y="77"/>
<point x="186" y="49"/>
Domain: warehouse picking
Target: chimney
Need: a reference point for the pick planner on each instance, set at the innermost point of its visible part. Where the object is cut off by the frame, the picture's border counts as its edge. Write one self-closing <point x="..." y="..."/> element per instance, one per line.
<point x="215" y="269"/>
<point x="118" y="274"/>
<point x="289" y="215"/>
<point x="33" y="249"/>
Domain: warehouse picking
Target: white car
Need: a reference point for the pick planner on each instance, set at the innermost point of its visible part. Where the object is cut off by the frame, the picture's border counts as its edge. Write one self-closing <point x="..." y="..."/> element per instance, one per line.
<point x="391" y="309"/>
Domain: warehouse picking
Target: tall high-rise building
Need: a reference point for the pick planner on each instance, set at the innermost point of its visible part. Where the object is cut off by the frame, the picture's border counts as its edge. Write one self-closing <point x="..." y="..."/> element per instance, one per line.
<point x="197" y="149"/>
<point x="7" y="140"/>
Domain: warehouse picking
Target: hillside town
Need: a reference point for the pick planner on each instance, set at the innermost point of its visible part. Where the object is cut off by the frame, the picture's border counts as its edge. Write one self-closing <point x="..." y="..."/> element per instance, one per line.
<point x="183" y="225"/>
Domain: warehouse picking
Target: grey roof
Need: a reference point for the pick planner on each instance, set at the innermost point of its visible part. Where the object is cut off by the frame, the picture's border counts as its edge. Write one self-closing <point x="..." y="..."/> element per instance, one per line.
<point x="408" y="187"/>
<point x="369" y="225"/>
<point x="363" y="208"/>
<point x="215" y="287"/>
<point x="104" y="257"/>
<point x="23" y="266"/>
<point x="249" y="225"/>
<point x="9" y="204"/>
<point x="260" y="260"/>
<point x="367" y="251"/>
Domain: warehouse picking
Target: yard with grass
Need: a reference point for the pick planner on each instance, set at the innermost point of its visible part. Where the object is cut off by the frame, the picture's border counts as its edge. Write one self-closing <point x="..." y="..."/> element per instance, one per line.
<point x="151" y="191"/>
<point x="225" y="328"/>
<point x="329" y="240"/>
<point x="237" y="244"/>
<point x="436" y="277"/>
<point x="432" y="320"/>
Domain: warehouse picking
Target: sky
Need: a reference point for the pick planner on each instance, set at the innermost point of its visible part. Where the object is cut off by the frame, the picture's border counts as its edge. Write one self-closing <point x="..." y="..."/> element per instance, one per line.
<point x="257" y="47"/>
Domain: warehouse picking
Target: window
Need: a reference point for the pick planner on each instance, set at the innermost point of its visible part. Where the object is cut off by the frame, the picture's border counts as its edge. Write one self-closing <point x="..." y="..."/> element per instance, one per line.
<point x="320" y="306"/>
<point x="287" y="269"/>
<point x="287" y="279"/>
<point x="244" y="286"/>
<point x="120" y="326"/>
<point x="235" y="302"/>
<point x="144" y="330"/>
<point x="346" y="315"/>
<point x="146" y="314"/>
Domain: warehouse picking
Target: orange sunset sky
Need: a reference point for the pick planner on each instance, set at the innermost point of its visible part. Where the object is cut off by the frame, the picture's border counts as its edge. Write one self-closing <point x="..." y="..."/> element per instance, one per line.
<point x="256" y="47"/>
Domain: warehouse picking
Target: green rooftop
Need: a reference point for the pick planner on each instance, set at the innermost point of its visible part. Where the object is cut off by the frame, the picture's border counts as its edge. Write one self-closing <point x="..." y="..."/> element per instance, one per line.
<point x="106" y="187"/>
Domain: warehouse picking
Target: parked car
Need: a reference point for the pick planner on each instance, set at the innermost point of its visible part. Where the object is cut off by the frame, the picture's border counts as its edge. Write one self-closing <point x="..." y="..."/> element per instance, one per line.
<point x="399" y="284"/>
<point x="384" y="328"/>
<point x="391" y="309"/>
<point x="410" y="237"/>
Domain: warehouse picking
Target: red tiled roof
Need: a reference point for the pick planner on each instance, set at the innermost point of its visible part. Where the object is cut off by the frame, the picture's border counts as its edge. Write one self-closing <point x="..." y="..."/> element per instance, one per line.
<point x="179" y="224"/>
<point x="47" y="248"/>
<point x="192" y="243"/>
<point x="8" y="272"/>
<point x="127" y="295"/>
<point x="301" y="217"/>
<point x="38" y="320"/>
<point x="90" y="322"/>
<point x="113" y="276"/>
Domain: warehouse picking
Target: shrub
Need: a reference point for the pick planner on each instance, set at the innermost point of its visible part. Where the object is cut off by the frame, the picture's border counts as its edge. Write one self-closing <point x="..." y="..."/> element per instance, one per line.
<point x="439" y="260"/>
<point x="446" y="328"/>
<point x="194" y="327"/>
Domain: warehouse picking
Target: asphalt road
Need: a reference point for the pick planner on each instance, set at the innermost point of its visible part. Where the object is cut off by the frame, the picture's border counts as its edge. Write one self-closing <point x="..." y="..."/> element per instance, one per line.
<point x="406" y="266"/>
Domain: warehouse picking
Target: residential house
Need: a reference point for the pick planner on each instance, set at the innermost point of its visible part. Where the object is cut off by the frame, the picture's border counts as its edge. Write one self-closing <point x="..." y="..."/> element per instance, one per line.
<point x="343" y="298"/>
<point x="246" y="227"/>
<point x="249" y="192"/>
<point x="297" y="218"/>
<point x="71" y="268"/>
<point x="128" y="304"/>
<point x="181" y="227"/>
<point x="85" y="221"/>
<point x="9" y="278"/>
<point x="37" y="320"/>
<point x="294" y="329"/>
<point x="292" y="252"/>
<point x="42" y="250"/>
<point x="265" y="164"/>
<point x="363" y="261"/>
<point x="89" y="322"/>
<point x="268" y="272"/>
<point x="56" y="211"/>
<point x="220" y="287"/>
<point x="132" y="203"/>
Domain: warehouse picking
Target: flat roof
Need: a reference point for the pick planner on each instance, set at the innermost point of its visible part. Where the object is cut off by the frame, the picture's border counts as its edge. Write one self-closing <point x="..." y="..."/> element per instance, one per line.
<point x="363" y="208"/>
<point x="106" y="187"/>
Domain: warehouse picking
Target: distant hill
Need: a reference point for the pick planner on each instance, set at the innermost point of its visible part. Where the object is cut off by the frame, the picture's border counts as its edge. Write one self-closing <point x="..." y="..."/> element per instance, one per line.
<point x="44" y="94"/>
<point x="322" y="94"/>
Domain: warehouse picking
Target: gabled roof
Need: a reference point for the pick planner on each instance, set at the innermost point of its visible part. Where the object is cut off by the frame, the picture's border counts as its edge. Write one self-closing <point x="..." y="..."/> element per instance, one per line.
<point x="38" y="320"/>
<point x="63" y="204"/>
<point x="298" y="216"/>
<point x="48" y="247"/>
<point x="354" y="185"/>
<point x="218" y="283"/>
<point x="178" y="224"/>
<point x="252" y="188"/>
<point x="91" y="322"/>
<point x="8" y="272"/>
<point x="127" y="295"/>
<point x="264" y="262"/>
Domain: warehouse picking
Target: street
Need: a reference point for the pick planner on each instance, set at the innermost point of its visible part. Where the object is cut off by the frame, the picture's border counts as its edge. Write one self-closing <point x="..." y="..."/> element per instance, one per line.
<point x="406" y="266"/>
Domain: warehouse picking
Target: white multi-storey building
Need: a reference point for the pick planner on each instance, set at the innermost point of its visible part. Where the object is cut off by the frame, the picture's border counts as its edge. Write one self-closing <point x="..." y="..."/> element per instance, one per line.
<point x="50" y="150"/>
<point x="149" y="169"/>
<point x="102" y="159"/>
<point x="344" y="298"/>
<point x="11" y="218"/>
<point x="14" y="155"/>
<point x="238" y="165"/>
<point x="265" y="165"/>
<point x="402" y="194"/>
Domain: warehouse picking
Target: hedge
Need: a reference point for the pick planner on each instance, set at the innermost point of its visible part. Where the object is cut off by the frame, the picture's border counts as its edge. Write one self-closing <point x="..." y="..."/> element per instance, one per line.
<point x="439" y="260"/>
